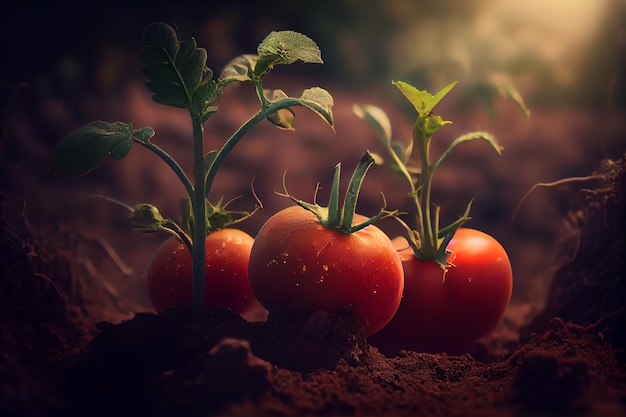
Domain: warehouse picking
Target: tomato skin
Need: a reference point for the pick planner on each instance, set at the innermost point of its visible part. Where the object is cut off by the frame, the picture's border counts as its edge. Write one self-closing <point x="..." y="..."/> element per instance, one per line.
<point x="226" y="278"/>
<point x="449" y="314"/>
<point x="295" y="259"/>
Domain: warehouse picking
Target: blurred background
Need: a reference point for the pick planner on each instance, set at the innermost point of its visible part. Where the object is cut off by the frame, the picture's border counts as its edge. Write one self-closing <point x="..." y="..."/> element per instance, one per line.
<point x="65" y="64"/>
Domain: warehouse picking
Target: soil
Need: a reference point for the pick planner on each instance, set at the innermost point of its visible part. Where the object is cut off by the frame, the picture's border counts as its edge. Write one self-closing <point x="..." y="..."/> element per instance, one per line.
<point x="57" y="358"/>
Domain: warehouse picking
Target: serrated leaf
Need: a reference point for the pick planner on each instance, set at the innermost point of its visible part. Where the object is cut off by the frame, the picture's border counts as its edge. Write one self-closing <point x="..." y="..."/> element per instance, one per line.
<point x="320" y="101"/>
<point x="176" y="71"/>
<point x="422" y="100"/>
<point x="87" y="147"/>
<point x="290" y="47"/>
<point x="286" y="47"/>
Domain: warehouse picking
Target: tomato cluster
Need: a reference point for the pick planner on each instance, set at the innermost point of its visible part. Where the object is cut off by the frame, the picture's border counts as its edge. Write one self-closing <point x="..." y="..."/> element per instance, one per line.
<point x="405" y="303"/>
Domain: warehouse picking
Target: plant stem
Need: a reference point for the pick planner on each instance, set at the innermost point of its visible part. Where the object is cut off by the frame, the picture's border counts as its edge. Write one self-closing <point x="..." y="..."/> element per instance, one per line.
<point x="261" y="115"/>
<point x="198" y="204"/>
<point x="170" y="162"/>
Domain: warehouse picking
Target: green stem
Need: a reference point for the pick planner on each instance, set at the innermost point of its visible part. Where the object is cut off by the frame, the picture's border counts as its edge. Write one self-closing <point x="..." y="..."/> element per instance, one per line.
<point x="174" y="229"/>
<point x="198" y="204"/>
<point x="428" y="244"/>
<point x="261" y="115"/>
<point x="170" y="162"/>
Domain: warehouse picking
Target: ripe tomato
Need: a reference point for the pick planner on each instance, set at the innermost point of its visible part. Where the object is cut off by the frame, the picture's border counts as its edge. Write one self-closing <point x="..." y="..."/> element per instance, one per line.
<point x="295" y="259"/>
<point x="226" y="279"/>
<point x="449" y="313"/>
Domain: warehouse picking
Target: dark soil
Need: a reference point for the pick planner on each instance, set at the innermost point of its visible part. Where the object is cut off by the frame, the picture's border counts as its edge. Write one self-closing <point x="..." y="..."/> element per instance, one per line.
<point x="54" y="360"/>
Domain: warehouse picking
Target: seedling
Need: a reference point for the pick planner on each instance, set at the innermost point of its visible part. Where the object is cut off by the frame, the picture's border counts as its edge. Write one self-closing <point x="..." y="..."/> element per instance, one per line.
<point x="429" y="240"/>
<point x="458" y="281"/>
<point x="178" y="77"/>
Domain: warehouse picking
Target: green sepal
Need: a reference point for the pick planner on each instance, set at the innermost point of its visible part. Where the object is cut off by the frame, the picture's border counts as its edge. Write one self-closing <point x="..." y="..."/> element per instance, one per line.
<point x="341" y="218"/>
<point x="86" y="148"/>
<point x="219" y="217"/>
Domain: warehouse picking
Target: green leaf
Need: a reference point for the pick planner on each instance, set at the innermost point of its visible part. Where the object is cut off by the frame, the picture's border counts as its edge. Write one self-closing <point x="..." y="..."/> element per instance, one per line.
<point x="377" y="118"/>
<point x="508" y="91"/>
<point x="423" y="101"/>
<point x="286" y="47"/>
<point x="467" y="137"/>
<point x="320" y="101"/>
<point x="177" y="71"/>
<point x="283" y="118"/>
<point x="239" y="69"/>
<point x="87" y="147"/>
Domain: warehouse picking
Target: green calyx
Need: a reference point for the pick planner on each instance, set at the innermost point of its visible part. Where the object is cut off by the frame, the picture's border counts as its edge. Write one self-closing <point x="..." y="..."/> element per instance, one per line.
<point x="340" y="218"/>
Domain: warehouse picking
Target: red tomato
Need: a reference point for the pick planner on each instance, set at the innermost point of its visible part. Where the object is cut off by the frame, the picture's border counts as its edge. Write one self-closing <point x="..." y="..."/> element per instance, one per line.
<point x="295" y="259"/>
<point x="449" y="313"/>
<point x="226" y="279"/>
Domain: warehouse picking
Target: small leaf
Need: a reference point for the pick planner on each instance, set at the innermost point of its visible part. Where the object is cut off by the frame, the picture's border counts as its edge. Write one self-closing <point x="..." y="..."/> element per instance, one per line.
<point x="467" y="137"/>
<point x="144" y="134"/>
<point x="320" y="101"/>
<point x="283" y="119"/>
<point x="423" y="101"/>
<point x="87" y="147"/>
<point x="377" y="118"/>
<point x="275" y="95"/>
<point x="430" y="124"/>
<point x="509" y="91"/>
<point x="239" y="69"/>
<point x="286" y="47"/>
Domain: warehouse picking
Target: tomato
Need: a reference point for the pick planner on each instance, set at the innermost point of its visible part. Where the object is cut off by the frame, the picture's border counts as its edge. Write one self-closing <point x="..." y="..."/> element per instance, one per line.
<point x="295" y="259"/>
<point x="226" y="278"/>
<point x="448" y="313"/>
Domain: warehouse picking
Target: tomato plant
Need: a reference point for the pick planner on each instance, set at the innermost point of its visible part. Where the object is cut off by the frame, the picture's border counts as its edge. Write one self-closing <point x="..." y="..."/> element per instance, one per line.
<point x="328" y="257"/>
<point x="450" y="309"/>
<point x="177" y="76"/>
<point x="458" y="281"/>
<point x="226" y="281"/>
